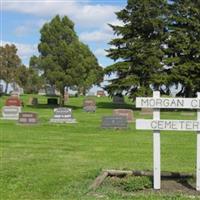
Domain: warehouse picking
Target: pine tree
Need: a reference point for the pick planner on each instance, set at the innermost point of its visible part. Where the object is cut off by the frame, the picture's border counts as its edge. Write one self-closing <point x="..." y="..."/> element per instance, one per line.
<point x="138" y="48"/>
<point x="183" y="46"/>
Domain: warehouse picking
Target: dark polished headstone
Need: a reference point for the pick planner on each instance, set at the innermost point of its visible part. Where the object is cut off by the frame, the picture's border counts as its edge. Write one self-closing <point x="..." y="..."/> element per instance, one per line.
<point x="118" y="122"/>
<point x="52" y="101"/>
<point x="124" y="112"/>
<point x="63" y="115"/>
<point x="28" y="118"/>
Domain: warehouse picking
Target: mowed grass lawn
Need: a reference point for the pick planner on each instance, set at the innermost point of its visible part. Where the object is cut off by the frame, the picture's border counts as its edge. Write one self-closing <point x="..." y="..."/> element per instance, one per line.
<point x="60" y="161"/>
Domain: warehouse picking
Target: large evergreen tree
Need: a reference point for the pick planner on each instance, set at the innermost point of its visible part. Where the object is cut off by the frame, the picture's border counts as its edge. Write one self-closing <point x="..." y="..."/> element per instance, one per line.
<point x="138" y="48"/>
<point x="183" y="46"/>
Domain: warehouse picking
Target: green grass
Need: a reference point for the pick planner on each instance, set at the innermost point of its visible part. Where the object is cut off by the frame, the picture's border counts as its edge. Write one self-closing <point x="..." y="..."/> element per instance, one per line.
<point x="52" y="161"/>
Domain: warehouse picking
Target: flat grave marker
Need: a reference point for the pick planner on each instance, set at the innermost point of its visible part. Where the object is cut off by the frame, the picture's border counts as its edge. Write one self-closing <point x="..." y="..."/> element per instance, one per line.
<point x="117" y="122"/>
<point x="63" y="115"/>
<point x="28" y="118"/>
<point x="128" y="113"/>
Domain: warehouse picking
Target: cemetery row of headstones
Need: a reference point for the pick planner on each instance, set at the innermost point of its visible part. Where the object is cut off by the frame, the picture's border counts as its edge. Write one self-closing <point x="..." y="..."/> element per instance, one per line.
<point x="13" y="111"/>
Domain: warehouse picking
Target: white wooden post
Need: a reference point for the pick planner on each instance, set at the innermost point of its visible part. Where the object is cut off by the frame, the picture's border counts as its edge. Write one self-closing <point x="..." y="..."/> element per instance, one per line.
<point x="198" y="151"/>
<point x="156" y="147"/>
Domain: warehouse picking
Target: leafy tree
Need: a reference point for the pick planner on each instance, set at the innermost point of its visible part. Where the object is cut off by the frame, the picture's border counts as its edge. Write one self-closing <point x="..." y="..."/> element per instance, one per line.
<point x="29" y="79"/>
<point x="87" y="69"/>
<point x="183" y="46"/>
<point x="10" y="61"/>
<point x="138" y="48"/>
<point x="61" y="56"/>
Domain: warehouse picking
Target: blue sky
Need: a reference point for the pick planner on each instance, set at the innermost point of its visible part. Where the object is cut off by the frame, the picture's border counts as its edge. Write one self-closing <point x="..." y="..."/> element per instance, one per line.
<point x="21" y="21"/>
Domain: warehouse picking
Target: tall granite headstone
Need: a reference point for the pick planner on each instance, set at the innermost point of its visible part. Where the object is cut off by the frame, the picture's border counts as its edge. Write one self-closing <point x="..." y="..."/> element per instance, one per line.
<point x="63" y="115"/>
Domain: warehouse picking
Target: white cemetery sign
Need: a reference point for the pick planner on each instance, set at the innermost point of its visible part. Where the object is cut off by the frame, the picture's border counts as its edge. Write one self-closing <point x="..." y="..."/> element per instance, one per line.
<point x="176" y="125"/>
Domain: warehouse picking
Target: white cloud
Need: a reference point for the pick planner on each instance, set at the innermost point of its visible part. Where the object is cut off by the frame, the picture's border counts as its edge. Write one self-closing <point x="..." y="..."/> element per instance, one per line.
<point x="95" y="36"/>
<point x="100" y="52"/>
<point x="25" y="51"/>
<point x="83" y="14"/>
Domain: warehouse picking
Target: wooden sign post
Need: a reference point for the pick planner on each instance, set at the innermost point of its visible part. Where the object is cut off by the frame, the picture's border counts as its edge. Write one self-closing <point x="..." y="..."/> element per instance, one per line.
<point x="198" y="149"/>
<point x="177" y="125"/>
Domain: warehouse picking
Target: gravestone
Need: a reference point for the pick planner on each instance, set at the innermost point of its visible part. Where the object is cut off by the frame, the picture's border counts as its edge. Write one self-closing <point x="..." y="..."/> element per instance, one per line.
<point x="27" y="118"/>
<point x="146" y="111"/>
<point x="117" y="122"/>
<point x="15" y="94"/>
<point x="63" y="115"/>
<point x="11" y="112"/>
<point x="124" y="112"/>
<point x="13" y="101"/>
<point x="187" y="114"/>
<point x="42" y="91"/>
<point x="33" y="101"/>
<point x="118" y="99"/>
<point x="100" y="93"/>
<point x="52" y="101"/>
<point x="89" y="105"/>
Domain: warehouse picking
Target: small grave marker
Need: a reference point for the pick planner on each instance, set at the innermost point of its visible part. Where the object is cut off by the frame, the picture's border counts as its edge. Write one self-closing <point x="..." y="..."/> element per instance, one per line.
<point x="15" y="94"/>
<point x="28" y="118"/>
<point x="63" y="115"/>
<point x="100" y="93"/>
<point x="146" y="111"/>
<point x="89" y="105"/>
<point x="117" y="122"/>
<point x="33" y="101"/>
<point x="124" y="112"/>
<point x="118" y="99"/>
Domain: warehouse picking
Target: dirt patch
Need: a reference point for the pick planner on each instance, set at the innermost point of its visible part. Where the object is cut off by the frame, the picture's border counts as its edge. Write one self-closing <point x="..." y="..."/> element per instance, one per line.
<point x="182" y="186"/>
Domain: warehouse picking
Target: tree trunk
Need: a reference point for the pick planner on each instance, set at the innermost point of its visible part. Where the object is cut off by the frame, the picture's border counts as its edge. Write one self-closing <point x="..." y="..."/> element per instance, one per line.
<point x="62" y="96"/>
<point x="6" y="88"/>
